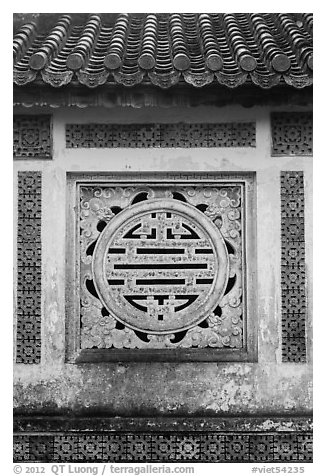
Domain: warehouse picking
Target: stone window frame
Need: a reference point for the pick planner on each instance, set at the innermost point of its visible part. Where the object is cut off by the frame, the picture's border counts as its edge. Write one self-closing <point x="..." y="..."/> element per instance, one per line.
<point x="249" y="353"/>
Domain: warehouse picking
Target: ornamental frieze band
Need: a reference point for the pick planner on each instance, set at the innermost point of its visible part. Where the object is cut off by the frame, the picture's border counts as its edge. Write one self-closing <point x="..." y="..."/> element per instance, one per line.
<point x="238" y="134"/>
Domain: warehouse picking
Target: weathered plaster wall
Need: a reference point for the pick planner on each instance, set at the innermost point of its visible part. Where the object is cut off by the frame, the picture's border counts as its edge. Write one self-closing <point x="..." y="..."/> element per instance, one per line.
<point x="268" y="386"/>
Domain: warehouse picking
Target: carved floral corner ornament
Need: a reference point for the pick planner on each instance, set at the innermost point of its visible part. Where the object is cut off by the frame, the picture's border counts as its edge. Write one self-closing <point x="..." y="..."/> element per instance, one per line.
<point x="161" y="267"/>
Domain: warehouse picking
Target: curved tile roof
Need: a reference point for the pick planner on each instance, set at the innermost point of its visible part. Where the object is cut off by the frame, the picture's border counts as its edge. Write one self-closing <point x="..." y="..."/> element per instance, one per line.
<point x="164" y="49"/>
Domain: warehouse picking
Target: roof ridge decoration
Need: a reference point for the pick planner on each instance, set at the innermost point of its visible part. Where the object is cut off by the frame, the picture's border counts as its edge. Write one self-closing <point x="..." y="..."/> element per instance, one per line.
<point x="265" y="49"/>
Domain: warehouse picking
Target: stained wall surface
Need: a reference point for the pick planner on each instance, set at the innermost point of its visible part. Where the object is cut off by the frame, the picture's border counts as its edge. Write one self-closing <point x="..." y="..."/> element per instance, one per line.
<point x="268" y="386"/>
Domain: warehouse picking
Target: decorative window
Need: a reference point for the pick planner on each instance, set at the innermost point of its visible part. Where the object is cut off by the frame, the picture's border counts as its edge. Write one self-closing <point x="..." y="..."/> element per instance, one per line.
<point x="291" y="133"/>
<point x="29" y="267"/>
<point x="164" y="268"/>
<point x="228" y="134"/>
<point x="32" y="137"/>
<point x="293" y="273"/>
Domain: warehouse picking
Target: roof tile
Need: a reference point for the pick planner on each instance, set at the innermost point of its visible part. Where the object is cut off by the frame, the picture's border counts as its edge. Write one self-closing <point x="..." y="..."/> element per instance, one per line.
<point x="165" y="49"/>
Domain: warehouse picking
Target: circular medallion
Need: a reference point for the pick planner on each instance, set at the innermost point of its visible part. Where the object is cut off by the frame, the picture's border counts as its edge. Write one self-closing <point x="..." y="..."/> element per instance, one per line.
<point x="160" y="266"/>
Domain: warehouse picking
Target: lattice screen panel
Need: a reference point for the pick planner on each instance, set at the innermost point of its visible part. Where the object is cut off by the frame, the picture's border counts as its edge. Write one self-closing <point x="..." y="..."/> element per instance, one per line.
<point x="293" y="268"/>
<point x="291" y="133"/>
<point x="29" y="268"/>
<point x="161" y="135"/>
<point x="194" y="447"/>
<point x="161" y="266"/>
<point x="32" y="137"/>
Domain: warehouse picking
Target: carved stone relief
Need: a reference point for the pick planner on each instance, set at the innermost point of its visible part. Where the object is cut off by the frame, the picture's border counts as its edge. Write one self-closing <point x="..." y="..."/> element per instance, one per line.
<point x="240" y="134"/>
<point x="32" y="137"/>
<point x="161" y="266"/>
<point x="223" y="447"/>
<point x="293" y="277"/>
<point x="291" y="133"/>
<point x="28" y="344"/>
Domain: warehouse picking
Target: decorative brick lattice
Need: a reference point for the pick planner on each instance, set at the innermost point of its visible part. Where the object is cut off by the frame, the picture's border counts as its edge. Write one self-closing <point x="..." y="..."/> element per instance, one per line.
<point x="90" y="449"/>
<point x="160" y="135"/>
<point x="32" y="137"/>
<point x="164" y="447"/>
<point x="235" y="448"/>
<point x="213" y="447"/>
<point x="29" y="268"/>
<point x="262" y="447"/>
<point x="41" y="448"/>
<point x="115" y="447"/>
<point x="137" y="447"/>
<point x="65" y="448"/>
<point x="21" y="448"/>
<point x="291" y="133"/>
<point x="293" y="267"/>
<point x="161" y="267"/>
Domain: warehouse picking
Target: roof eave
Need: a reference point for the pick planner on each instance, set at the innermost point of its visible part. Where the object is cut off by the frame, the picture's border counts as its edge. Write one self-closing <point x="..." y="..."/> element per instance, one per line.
<point x="147" y="95"/>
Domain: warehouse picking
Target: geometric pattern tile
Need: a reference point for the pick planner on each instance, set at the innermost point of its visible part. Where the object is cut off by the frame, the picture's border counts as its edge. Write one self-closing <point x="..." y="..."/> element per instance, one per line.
<point x="161" y="135"/>
<point x="262" y="448"/>
<point x="290" y="447"/>
<point x="172" y="447"/>
<point x="29" y="268"/>
<point x="293" y="279"/>
<point x="291" y="133"/>
<point x="304" y="447"/>
<point x="41" y="448"/>
<point x="32" y="137"/>
<point x="65" y="447"/>
<point x="236" y="448"/>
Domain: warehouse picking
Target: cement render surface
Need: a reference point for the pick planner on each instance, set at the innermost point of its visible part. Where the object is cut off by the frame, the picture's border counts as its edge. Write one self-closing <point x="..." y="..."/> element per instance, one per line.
<point x="167" y="388"/>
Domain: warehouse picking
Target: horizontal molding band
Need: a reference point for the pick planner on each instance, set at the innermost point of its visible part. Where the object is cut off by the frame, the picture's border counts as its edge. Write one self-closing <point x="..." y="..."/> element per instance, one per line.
<point x="65" y="423"/>
<point x="188" y="439"/>
<point x="144" y="96"/>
